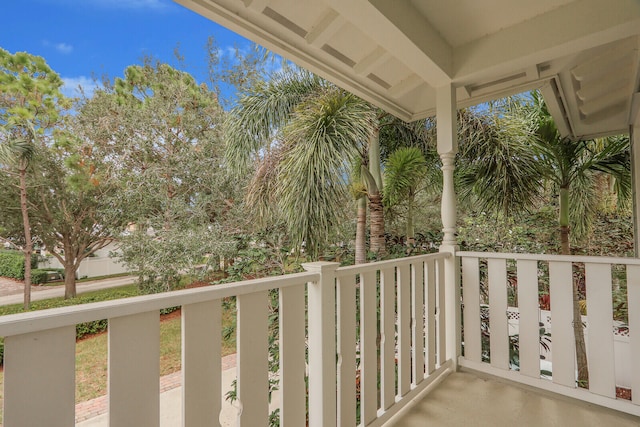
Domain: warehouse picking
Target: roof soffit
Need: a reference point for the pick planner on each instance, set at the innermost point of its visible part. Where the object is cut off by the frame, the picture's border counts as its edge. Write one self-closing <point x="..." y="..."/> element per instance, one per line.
<point x="395" y="53"/>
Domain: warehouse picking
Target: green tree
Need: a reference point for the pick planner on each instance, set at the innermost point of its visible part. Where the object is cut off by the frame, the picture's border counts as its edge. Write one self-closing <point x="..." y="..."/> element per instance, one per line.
<point x="159" y="131"/>
<point x="71" y="212"/>
<point x="30" y="105"/>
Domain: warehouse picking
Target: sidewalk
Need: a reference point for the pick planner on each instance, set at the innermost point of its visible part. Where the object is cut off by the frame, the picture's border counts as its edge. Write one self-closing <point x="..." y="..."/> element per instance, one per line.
<point x="11" y="291"/>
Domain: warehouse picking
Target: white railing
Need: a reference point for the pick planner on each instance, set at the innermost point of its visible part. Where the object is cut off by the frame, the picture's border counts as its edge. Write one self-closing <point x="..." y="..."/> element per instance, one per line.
<point x="487" y="279"/>
<point x="332" y="311"/>
<point x="396" y="334"/>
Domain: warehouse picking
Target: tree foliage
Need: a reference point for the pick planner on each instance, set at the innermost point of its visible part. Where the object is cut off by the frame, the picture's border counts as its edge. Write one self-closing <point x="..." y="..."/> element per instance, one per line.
<point x="158" y="131"/>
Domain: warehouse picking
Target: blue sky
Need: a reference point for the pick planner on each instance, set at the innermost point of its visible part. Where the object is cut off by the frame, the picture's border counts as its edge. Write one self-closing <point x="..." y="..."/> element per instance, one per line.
<point x="83" y="38"/>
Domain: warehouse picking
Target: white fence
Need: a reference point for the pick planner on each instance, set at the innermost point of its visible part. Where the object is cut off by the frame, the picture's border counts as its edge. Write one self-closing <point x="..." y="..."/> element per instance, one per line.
<point x="90" y="267"/>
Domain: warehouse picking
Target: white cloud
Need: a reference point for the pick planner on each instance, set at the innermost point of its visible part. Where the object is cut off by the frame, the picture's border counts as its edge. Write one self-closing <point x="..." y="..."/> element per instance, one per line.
<point x="63" y="48"/>
<point x="75" y="86"/>
<point x="132" y="4"/>
<point x="118" y="4"/>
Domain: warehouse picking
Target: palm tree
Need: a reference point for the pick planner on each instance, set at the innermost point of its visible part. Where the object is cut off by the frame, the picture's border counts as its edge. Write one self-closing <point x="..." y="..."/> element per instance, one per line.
<point x="305" y="134"/>
<point x="573" y="166"/>
<point x="405" y="170"/>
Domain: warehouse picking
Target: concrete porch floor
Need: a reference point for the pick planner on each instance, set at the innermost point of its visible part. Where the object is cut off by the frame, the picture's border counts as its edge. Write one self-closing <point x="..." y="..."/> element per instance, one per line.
<point x="465" y="399"/>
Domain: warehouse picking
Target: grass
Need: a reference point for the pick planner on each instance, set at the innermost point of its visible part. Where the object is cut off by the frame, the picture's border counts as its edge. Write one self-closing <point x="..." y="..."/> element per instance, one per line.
<point x="91" y="357"/>
<point x="85" y="298"/>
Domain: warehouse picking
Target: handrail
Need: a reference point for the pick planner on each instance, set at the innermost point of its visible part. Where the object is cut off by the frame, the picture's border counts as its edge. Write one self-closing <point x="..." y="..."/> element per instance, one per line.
<point x="21" y="323"/>
<point x="549" y="257"/>
<point x="374" y="266"/>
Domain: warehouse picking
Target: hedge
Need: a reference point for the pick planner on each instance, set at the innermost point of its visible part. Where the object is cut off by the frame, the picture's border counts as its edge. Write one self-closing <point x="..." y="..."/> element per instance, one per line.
<point x="12" y="264"/>
<point x="40" y="276"/>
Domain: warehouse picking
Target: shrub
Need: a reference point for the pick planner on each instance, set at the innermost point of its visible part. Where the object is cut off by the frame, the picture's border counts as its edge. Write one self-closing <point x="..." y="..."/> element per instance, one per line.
<point x="38" y="277"/>
<point x="89" y="328"/>
<point x="12" y="264"/>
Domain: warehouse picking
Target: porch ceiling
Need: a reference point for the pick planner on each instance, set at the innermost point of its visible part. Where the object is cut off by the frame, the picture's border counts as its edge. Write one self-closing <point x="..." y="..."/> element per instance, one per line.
<point x="583" y="54"/>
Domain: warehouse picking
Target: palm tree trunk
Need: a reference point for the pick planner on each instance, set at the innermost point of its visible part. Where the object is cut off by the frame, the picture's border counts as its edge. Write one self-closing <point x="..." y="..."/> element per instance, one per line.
<point x="28" y="247"/>
<point x="578" y="328"/>
<point x="411" y="238"/>
<point x="377" y="225"/>
<point x="377" y="243"/>
<point x="578" y="331"/>
<point x="361" y="225"/>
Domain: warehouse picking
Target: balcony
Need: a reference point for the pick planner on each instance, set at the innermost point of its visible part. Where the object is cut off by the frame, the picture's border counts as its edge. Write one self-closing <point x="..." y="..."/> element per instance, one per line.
<point x="396" y="342"/>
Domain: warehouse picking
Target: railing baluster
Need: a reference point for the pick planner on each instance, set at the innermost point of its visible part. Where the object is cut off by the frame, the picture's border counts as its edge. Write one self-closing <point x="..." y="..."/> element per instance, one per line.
<point x="600" y="354"/>
<point x="388" y="339"/>
<point x="499" y="328"/>
<point x="442" y="312"/>
<point x="201" y="367"/>
<point x="417" y="321"/>
<point x="633" y="301"/>
<point x="322" y="345"/>
<point x="292" y="356"/>
<point x="39" y="378"/>
<point x="252" y="357"/>
<point x="471" y="298"/>
<point x="561" y="292"/>
<point x="346" y="351"/>
<point x="528" y="324"/>
<point x="430" y="317"/>
<point x="404" y="329"/>
<point x="134" y="370"/>
<point x="368" y="353"/>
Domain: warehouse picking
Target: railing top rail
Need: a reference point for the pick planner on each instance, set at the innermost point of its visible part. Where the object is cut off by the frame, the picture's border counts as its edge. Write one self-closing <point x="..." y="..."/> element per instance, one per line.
<point x="374" y="266"/>
<point x="548" y="257"/>
<point x="21" y="323"/>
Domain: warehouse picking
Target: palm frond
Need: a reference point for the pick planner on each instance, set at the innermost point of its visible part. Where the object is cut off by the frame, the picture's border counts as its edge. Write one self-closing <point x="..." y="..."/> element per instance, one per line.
<point x="262" y="113"/>
<point x="404" y="169"/>
<point x="498" y="170"/>
<point x="322" y="141"/>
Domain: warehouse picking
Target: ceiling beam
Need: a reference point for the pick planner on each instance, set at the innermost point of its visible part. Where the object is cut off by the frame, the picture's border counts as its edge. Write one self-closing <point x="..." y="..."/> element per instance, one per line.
<point x="579" y="25"/>
<point x="257" y="5"/>
<point x="326" y="27"/>
<point x="376" y="58"/>
<point x="403" y="87"/>
<point x="399" y="28"/>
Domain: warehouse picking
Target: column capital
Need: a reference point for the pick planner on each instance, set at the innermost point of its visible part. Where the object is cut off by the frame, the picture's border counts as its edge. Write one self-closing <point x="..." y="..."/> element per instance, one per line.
<point x="320" y="266"/>
<point x="446" y="119"/>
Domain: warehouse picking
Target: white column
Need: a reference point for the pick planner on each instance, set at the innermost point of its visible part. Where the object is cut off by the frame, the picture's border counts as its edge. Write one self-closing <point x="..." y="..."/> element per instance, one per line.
<point x="446" y="121"/>
<point x="322" y="345"/>
<point x="634" y="138"/>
